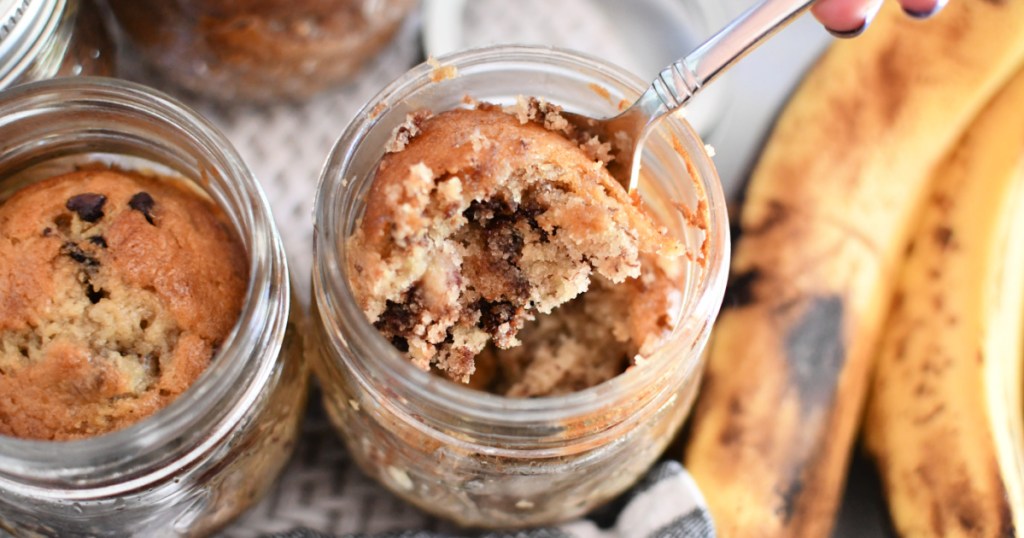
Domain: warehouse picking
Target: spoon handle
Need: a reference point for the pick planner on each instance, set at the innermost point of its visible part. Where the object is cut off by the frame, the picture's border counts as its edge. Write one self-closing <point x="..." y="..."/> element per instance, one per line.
<point x="681" y="80"/>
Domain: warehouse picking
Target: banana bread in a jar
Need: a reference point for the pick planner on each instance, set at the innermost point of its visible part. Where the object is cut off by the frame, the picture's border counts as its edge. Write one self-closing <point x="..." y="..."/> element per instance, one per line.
<point x="151" y="370"/>
<point x="507" y="337"/>
<point x="259" y="50"/>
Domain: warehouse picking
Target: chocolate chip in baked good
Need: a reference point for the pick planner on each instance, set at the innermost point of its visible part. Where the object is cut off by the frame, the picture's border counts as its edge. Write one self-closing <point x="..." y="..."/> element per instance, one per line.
<point x="95" y="295"/>
<point x="88" y="205"/>
<point x="62" y="222"/>
<point x="400" y="343"/>
<point x="494" y="314"/>
<point x="485" y="211"/>
<point x="99" y="241"/>
<point x="143" y="203"/>
<point x="530" y="207"/>
<point x="47" y="231"/>
<point x="76" y="253"/>
<point x="399" y="318"/>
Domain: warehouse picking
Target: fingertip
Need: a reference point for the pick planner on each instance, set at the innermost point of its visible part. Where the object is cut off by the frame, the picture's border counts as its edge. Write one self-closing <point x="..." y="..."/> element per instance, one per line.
<point x="846" y="18"/>
<point x="838" y="14"/>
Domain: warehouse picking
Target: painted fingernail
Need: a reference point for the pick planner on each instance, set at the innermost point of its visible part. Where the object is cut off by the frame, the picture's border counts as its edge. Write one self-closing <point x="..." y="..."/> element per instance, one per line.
<point x="921" y="15"/>
<point x="846" y="34"/>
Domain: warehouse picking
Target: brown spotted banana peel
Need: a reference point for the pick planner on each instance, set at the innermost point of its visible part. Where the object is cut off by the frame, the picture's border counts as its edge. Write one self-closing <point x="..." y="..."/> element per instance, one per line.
<point x="944" y="415"/>
<point x="826" y="216"/>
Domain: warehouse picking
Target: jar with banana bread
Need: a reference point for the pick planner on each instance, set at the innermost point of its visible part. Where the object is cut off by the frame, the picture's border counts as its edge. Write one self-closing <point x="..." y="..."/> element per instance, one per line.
<point x="151" y="375"/>
<point x="43" y="39"/>
<point x="505" y="336"/>
<point x="259" y="50"/>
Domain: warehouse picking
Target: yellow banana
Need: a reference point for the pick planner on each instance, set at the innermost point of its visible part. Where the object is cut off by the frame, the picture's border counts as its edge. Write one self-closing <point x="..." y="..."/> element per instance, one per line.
<point x="944" y="416"/>
<point x="827" y="213"/>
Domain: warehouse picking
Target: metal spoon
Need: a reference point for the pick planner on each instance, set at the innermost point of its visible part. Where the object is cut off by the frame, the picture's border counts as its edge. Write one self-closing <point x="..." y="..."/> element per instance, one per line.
<point x="681" y="80"/>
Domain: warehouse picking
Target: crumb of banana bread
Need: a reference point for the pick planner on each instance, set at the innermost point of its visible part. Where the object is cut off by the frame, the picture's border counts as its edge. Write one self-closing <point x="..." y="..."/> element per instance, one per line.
<point x="115" y="291"/>
<point x="588" y="340"/>
<point x="480" y="220"/>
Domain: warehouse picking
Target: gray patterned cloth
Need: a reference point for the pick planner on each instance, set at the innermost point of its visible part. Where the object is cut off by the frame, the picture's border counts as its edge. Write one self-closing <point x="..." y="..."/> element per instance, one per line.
<point x="666" y="504"/>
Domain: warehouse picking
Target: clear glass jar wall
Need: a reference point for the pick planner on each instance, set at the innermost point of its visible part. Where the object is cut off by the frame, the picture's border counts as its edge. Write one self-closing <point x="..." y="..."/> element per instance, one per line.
<point x="474" y="457"/>
<point x="53" y="38"/>
<point x="259" y="50"/>
<point x="202" y="460"/>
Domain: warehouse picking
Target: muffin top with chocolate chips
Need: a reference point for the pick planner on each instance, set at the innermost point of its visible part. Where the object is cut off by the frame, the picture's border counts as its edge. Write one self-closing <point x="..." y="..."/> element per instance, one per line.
<point x="115" y="291"/>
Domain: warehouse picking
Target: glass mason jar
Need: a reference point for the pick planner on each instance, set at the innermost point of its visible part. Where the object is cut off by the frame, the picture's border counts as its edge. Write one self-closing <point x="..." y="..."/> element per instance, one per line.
<point x="52" y="38"/>
<point x="474" y="457"/>
<point x="259" y="50"/>
<point x="191" y="467"/>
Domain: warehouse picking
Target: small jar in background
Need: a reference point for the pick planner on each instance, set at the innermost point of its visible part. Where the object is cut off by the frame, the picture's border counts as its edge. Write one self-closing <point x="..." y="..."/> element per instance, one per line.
<point x="200" y="461"/>
<point x="259" y="50"/>
<point x="477" y="458"/>
<point x="52" y="38"/>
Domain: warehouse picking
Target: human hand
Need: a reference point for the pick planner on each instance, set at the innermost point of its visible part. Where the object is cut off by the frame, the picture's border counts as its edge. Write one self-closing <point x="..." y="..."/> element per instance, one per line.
<point x="849" y="18"/>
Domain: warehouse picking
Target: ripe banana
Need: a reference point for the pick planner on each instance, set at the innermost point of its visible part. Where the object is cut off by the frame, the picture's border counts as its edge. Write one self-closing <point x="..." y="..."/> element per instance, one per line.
<point x="827" y="213"/>
<point x="944" y="416"/>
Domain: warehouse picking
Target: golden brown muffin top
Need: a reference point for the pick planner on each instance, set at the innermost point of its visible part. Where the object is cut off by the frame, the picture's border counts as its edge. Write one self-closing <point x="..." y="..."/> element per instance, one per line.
<point x="115" y="290"/>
